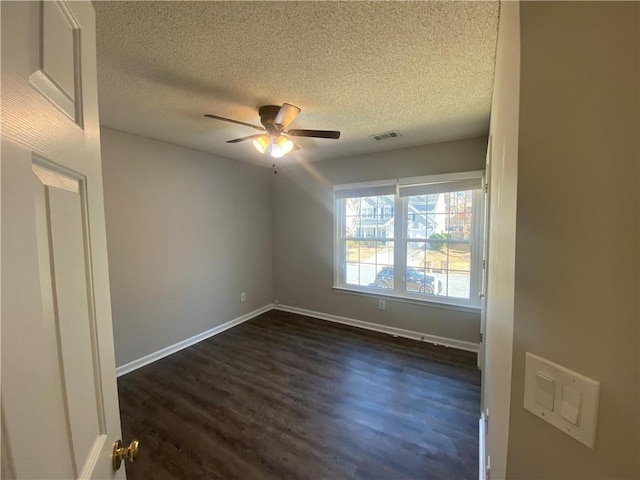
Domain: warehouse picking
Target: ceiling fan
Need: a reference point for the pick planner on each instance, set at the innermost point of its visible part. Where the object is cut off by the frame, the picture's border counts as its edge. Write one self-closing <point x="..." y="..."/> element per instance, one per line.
<point x="275" y="120"/>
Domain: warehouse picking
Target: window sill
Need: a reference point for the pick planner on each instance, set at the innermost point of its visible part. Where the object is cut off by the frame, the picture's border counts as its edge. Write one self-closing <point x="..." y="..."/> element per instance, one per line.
<point x="407" y="299"/>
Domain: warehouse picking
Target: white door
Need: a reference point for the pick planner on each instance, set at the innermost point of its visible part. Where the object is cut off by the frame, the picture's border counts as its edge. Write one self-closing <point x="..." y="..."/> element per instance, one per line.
<point x="60" y="413"/>
<point x="485" y="263"/>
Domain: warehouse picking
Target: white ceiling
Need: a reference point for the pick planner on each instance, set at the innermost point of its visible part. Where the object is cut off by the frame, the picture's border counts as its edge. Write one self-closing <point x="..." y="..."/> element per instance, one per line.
<point x="422" y="68"/>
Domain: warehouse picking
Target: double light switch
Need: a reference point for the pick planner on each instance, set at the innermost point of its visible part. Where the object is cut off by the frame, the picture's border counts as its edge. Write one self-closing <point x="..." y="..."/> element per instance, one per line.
<point x="570" y="399"/>
<point x="564" y="398"/>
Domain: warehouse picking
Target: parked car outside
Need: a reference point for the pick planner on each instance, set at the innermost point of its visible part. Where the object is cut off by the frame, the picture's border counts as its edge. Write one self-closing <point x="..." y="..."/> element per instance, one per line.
<point x="416" y="281"/>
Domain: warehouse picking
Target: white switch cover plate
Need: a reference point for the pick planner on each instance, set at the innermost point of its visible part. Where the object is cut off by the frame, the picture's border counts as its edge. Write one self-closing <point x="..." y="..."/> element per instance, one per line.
<point x="574" y="405"/>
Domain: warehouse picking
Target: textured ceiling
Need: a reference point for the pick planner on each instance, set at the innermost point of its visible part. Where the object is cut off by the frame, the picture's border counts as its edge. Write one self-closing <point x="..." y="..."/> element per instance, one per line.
<point x="422" y="68"/>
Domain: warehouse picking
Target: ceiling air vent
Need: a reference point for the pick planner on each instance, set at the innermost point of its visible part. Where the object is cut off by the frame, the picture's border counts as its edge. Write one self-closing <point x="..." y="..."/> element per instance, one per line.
<point x="385" y="135"/>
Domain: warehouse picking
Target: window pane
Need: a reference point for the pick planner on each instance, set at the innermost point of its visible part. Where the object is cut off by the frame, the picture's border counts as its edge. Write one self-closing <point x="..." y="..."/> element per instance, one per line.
<point x="440" y="216"/>
<point x="353" y="251"/>
<point x="458" y="206"/>
<point x="369" y="217"/>
<point x="352" y="274"/>
<point x="424" y="268"/>
<point x="365" y="259"/>
<point x="416" y="254"/>
<point x="417" y="217"/>
<point x="439" y="265"/>
<point x="384" y="277"/>
<point x="439" y="268"/>
<point x="368" y="232"/>
<point x="350" y="226"/>
<point x="459" y="270"/>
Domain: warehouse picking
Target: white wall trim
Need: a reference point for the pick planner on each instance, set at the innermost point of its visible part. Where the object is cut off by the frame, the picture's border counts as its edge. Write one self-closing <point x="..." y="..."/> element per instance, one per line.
<point x="399" y="332"/>
<point x="164" y="352"/>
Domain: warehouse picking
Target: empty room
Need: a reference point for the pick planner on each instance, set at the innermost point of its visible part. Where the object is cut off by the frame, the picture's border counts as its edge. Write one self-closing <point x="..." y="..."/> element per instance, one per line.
<point x="320" y="240"/>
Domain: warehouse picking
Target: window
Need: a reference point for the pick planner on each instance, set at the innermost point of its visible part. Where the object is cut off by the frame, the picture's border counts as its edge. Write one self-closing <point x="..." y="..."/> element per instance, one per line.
<point x="416" y="238"/>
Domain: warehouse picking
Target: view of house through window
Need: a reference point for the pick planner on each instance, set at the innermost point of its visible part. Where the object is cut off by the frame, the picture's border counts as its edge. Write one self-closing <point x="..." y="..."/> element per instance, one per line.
<point x="439" y="240"/>
<point x="420" y="239"/>
<point x="368" y="233"/>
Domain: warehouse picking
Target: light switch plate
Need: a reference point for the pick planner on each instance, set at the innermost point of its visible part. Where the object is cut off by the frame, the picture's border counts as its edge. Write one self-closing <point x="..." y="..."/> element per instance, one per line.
<point x="576" y="398"/>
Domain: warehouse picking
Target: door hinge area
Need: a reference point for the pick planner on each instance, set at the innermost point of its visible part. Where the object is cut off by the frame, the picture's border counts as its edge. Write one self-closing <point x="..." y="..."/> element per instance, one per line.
<point x="481" y="337"/>
<point x="486" y="188"/>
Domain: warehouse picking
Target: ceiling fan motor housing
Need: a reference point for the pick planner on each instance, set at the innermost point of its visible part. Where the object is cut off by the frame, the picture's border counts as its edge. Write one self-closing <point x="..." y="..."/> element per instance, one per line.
<point x="268" y="115"/>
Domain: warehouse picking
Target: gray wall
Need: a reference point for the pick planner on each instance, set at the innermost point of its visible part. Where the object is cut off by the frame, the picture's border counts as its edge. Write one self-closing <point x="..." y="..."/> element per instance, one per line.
<point x="577" y="275"/>
<point x="303" y="235"/>
<point x="503" y="131"/>
<point x="187" y="232"/>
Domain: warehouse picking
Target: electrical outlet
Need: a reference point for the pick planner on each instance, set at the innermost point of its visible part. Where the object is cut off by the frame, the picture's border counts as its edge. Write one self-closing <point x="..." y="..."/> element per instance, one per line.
<point x="243" y="297"/>
<point x="382" y="304"/>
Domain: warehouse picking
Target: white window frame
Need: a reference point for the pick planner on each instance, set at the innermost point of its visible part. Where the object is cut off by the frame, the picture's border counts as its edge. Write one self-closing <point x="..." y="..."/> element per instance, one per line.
<point x="364" y="189"/>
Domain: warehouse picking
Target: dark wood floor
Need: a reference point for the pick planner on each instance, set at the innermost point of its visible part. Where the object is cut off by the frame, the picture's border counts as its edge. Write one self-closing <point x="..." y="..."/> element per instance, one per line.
<point x="286" y="396"/>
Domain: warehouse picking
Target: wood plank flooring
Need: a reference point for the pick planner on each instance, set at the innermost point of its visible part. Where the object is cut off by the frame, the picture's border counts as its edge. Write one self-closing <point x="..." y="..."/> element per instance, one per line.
<point x="284" y="396"/>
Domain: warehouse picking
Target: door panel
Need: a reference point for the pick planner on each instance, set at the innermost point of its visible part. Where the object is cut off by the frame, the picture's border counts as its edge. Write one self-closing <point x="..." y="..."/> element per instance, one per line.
<point x="30" y="362"/>
<point x="60" y="412"/>
<point x="55" y="53"/>
<point x="66" y="290"/>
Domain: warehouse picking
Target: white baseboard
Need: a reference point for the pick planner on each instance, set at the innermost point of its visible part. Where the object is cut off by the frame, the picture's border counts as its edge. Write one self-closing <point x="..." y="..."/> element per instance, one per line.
<point x="398" y="332"/>
<point x="152" y="357"/>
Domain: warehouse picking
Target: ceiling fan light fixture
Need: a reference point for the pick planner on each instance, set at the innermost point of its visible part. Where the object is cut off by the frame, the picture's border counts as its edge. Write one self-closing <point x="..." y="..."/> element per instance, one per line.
<point x="280" y="146"/>
<point x="275" y="151"/>
<point x="285" y="144"/>
<point x="261" y="143"/>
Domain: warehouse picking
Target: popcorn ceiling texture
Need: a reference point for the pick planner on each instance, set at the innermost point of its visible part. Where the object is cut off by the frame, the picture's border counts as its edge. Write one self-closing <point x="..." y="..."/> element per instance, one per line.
<point x="423" y="68"/>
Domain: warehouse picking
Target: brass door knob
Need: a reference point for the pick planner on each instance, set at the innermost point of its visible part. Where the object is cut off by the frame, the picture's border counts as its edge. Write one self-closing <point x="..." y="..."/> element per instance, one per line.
<point x="120" y="452"/>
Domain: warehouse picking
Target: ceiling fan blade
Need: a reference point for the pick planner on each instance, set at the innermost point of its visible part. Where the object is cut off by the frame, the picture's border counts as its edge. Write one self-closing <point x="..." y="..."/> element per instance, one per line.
<point x="286" y="115"/>
<point x="242" y="139"/>
<point x="315" y="133"/>
<point x="216" y="117"/>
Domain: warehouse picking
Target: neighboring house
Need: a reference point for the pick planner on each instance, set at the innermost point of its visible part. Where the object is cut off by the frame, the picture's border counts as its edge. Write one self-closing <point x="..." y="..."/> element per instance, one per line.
<point x="425" y="218"/>
<point x="376" y="218"/>
<point x="370" y="217"/>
